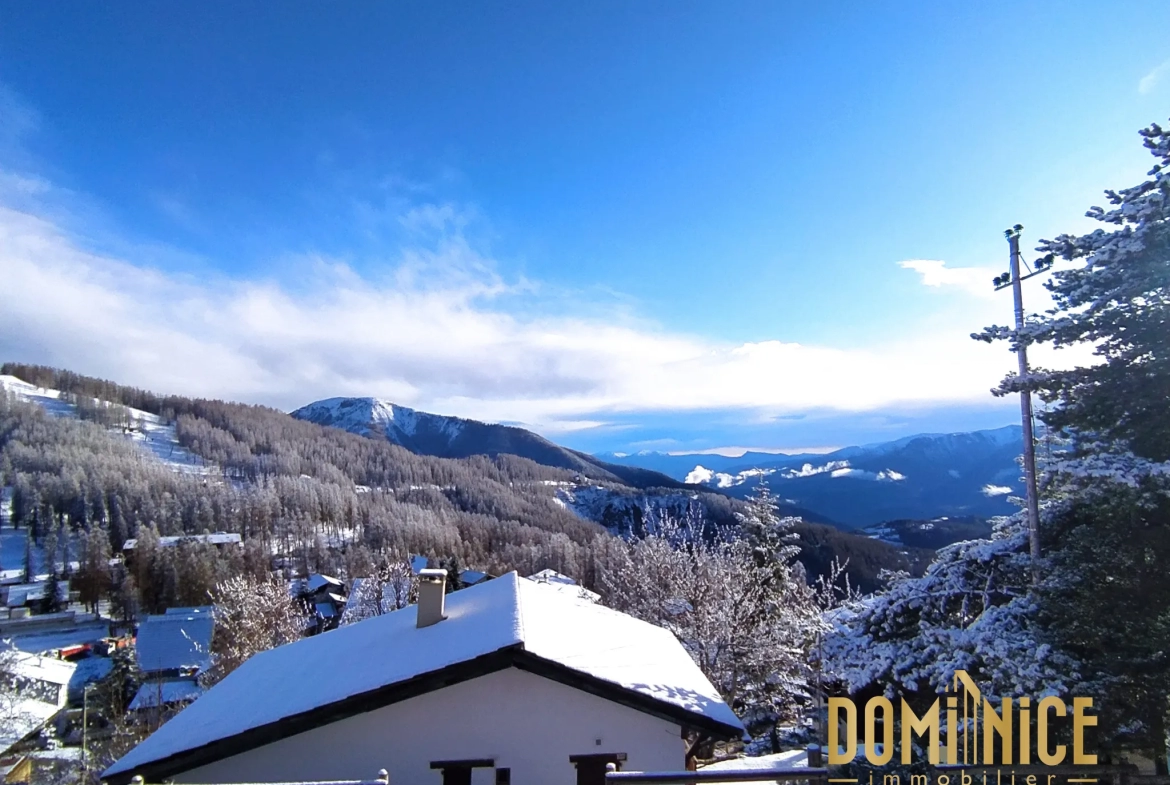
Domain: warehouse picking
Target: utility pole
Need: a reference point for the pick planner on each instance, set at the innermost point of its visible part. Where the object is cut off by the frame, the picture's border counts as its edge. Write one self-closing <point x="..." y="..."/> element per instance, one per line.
<point x="1014" y="280"/>
<point x="85" y="730"/>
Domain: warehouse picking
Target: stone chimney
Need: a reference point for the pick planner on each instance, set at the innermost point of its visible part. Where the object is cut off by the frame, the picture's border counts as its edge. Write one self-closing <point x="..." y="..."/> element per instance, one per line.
<point x="432" y="591"/>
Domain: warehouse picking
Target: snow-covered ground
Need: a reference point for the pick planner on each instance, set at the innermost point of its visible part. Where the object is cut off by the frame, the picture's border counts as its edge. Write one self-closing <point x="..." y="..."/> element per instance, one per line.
<point x="148" y="431"/>
<point x="789" y="759"/>
<point x="14" y="546"/>
<point x="592" y="501"/>
<point x="589" y="501"/>
<point x="39" y="643"/>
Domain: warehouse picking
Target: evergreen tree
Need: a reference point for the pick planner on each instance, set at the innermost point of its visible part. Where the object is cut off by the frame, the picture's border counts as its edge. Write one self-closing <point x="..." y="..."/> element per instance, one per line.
<point x="52" y="601"/>
<point x="1106" y="528"/>
<point x="1117" y="299"/>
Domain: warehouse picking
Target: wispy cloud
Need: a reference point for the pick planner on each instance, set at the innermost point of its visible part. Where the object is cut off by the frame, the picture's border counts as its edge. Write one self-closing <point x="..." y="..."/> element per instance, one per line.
<point x="434" y="325"/>
<point x="438" y="334"/>
<point x="936" y="274"/>
<point x="1151" y="80"/>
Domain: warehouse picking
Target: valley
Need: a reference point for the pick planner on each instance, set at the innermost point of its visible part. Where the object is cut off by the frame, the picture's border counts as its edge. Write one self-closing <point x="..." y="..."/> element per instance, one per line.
<point x="332" y="500"/>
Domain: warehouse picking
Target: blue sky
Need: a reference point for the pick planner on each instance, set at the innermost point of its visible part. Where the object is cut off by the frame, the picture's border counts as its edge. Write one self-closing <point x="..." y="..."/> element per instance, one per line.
<point x="626" y="225"/>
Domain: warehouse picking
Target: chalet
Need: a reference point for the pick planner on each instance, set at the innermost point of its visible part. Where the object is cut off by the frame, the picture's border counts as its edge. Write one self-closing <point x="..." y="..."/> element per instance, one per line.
<point x="220" y="540"/>
<point x="37" y="678"/>
<point x="508" y="681"/>
<point x="34" y="596"/>
<point x="563" y="583"/>
<point x="172" y="650"/>
<point x="39" y="687"/>
<point x="323" y="598"/>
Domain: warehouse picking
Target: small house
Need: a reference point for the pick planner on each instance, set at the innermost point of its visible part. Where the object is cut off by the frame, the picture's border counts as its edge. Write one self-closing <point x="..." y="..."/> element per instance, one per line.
<point x="172" y="650"/>
<point x="324" y="599"/>
<point x="563" y="583"/>
<point x="220" y="540"/>
<point x="38" y="689"/>
<point x="506" y="682"/>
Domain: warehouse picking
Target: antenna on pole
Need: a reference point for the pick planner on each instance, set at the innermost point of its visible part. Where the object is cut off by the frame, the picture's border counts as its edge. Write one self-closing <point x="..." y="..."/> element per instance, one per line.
<point x="1013" y="279"/>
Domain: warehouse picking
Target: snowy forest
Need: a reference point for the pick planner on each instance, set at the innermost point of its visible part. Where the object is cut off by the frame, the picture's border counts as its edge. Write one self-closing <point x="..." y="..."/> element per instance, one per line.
<point x="327" y="500"/>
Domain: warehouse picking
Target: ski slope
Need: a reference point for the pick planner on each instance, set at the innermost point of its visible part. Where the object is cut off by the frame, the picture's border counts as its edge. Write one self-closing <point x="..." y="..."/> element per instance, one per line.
<point x="147" y="431"/>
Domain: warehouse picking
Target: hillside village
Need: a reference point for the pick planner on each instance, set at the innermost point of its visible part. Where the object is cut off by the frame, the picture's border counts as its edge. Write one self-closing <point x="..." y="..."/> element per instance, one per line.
<point x="197" y="591"/>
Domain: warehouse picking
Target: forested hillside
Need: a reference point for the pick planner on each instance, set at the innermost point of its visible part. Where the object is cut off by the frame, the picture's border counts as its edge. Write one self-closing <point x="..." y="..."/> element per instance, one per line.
<point x="443" y="436"/>
<point x="312" y="497"/>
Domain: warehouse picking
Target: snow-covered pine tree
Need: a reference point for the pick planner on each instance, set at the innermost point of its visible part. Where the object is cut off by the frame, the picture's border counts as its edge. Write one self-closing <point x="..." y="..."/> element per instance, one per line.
<point x="1104" y="601"/>
<point x="770" y="536"/>
<point x="1116" y="298"/>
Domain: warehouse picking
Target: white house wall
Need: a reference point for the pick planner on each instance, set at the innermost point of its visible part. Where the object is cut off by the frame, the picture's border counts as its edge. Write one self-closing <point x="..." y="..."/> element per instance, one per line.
<point x="525" y="722"/>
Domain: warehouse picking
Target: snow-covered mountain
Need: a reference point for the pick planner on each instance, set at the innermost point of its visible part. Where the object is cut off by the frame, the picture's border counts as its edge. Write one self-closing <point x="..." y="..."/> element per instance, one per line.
<point x="454" y="437"/>
<point x="918" y="477"/>
<point x="369" y="416"/>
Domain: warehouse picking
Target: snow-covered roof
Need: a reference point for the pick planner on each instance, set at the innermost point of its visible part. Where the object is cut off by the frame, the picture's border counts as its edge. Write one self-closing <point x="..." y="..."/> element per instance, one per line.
<point x="23" y="593"/>
<point x="39" y="641"/>
<point x="198" y="609"/>
<point x="317" y="582"/>
<point x="552" y="576"/>
<point x="21" y="718"/>
<point x="89" y="670"/>
<point x="519" y="619"/>
<point x="568" y="590"/>
<point x="46" y="669"/>
<point x="472" y="577"/>
<point x="174" y="641"/>
<point x="153" y="694"/>
<point x="216" y="538"/>
<point x="789" y="759"/>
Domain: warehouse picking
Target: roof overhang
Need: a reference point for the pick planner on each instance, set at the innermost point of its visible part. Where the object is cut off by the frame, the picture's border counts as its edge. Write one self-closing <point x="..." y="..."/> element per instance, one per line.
<point x="508" y="657"/>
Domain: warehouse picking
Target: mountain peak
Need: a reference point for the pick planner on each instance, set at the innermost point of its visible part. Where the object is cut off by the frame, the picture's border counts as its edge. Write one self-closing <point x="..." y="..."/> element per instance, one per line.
<point x="377" y="416"/>
<point x="455" y="437"/>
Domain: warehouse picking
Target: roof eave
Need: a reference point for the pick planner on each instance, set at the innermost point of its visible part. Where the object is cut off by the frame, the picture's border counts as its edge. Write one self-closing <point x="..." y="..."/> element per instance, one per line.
<point x="507" y="657"/>
<point x="316" y="717"/>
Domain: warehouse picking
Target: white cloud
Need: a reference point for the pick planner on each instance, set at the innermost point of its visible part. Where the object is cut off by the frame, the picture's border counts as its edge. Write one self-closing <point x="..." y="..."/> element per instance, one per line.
<point x="1151" y="80"/>
<point x="699" y="475"/>
<point x="936" y="274"/>
<point x="888" y="475"/>
<point x="996" y="490"/>
<point x="444" y="332"/>
<point x="808" y="470"/>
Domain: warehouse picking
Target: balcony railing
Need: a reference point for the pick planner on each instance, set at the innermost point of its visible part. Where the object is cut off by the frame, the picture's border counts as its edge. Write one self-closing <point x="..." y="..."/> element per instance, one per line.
<point x="805" y="774"/>
<point x="382" y="779"/>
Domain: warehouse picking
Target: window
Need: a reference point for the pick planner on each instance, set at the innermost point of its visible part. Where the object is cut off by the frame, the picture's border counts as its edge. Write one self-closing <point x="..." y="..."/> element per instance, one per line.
<point x="458" y="772"/>
<point x="591" y="768"/>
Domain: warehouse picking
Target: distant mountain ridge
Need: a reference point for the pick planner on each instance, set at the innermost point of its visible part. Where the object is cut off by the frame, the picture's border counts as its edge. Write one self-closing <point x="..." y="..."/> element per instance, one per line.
<point x="207" y="465"/>
<point x="444" y="436"/>
<point x="917" y="477"/>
